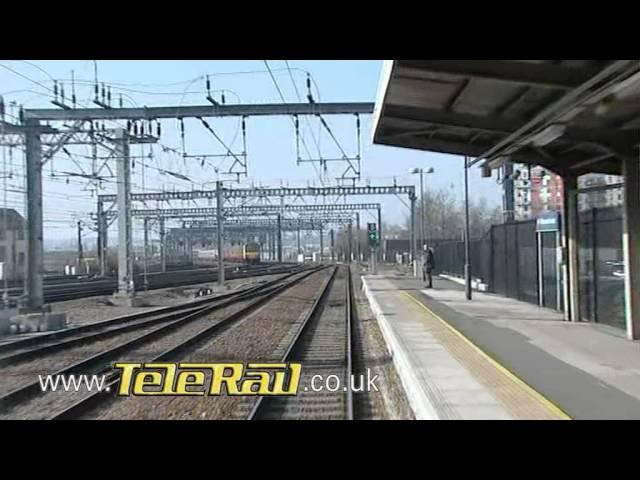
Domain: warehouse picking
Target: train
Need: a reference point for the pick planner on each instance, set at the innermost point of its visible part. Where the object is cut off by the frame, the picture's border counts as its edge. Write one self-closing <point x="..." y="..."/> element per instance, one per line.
<point x="247" y="253"/>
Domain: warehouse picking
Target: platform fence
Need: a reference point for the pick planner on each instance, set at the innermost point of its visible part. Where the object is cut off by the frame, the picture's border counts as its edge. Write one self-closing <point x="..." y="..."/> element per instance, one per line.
<point x="506" y="259"/>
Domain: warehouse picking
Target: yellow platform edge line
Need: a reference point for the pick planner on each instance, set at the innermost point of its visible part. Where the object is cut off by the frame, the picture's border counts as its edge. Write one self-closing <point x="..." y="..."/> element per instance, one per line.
<point x="548" y="404"/>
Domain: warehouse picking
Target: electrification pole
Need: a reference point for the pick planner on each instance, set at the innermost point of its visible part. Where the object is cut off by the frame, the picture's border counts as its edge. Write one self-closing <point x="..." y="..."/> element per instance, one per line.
<point x="80" y="253"/>
<point x="333" y="256"/>
<point x="35" y="250"/>
<point x="412" y="237"/>
<point x="163" y="245"/>
<point x="219" y="220"/>
<point x="358" y="240"/>
<point x="125" y="254"/>
<point x="145" y="255"/>
<point x="467" y="254"/>
<point x="279" y="238"/>
<point x="422" y="237"/>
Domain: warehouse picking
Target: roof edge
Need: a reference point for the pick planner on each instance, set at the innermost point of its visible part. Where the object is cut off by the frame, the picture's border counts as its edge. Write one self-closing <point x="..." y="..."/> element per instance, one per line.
<point x="388" y="67"/>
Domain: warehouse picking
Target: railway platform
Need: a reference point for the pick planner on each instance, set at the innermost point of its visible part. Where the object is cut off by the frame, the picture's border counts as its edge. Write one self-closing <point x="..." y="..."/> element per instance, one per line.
<point x="498" y="358"/>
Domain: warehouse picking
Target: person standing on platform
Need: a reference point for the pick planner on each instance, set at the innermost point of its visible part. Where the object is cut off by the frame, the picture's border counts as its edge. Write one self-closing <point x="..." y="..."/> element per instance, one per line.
<point x="427" y="268"/>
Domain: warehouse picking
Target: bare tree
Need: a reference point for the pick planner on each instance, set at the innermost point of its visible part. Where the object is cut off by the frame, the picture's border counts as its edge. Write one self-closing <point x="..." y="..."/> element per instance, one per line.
<point x="444" y="216"/>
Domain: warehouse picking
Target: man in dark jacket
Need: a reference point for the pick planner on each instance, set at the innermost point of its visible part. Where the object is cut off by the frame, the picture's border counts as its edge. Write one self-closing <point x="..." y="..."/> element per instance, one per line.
<point x="427" y="268"/>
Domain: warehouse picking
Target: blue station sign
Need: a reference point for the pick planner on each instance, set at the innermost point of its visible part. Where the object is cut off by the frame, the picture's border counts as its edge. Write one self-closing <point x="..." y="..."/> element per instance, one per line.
<point x="548" y="222"/>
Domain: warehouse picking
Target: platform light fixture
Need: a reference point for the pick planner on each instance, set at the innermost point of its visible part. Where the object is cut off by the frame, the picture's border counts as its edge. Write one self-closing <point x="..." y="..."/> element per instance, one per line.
<point x="548" y="135"/>
<point x="499" y="161"/>
<point x="421" y="172"/>
<point x="628" y="87"/>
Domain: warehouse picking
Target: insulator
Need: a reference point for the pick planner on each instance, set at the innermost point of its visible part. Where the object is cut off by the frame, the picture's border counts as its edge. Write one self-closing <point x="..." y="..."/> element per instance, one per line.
<point x="135" y="129"/>
<point x="142" y="128"/>
<point x="73" y="99"/>
<point x="109" y="96"/>
<point x="128" y="126"/>
<point x="358" y="121"/>
<point x="21" y="115"/>
<point x="95" y="89"/>
<point x="120" y="104"/>
<point x="62" y="91"/>
<point x="208" y="85"/>
<point x="158" y="129"/>
<point x="150" y="127"/>
<point x="55" y="88"/>
<point x="297" y="123"/>
<point x="103" y="129"/>
<point x="309" y="83"/>
<point x="2" y="108"/>
<point x="133" y="163"/>
<point x="223" y="99"/>
<point x="182" y="127"/>
<point x="102" y="91"/>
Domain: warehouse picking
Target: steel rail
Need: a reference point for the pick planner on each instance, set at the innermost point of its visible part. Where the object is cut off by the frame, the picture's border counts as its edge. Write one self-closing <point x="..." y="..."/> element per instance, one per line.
<point x="132" y="317"/>
<point x="15" y="396"/>
<point x="132" y="322"/>
<point x="349" y="313"/>
<point x="262" y="403"/>
<point x="89" y="402"/>
<point x="63" y="291"/>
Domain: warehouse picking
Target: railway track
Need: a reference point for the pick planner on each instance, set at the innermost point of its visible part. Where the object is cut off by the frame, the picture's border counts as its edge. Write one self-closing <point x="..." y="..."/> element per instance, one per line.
<point x="47" y="343"/>
<point x="163" y="335"/>
<point x="323" y="344"/>
<point x="58" y="290"/>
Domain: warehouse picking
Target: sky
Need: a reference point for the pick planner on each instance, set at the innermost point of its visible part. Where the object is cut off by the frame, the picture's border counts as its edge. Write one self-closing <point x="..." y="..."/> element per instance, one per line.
<point x="271" y="142"/>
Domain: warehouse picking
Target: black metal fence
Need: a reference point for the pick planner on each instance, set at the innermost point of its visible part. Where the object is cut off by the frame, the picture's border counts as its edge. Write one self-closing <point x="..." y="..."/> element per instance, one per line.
<point x="601" y="266"/>
<point x="506" y="259"/>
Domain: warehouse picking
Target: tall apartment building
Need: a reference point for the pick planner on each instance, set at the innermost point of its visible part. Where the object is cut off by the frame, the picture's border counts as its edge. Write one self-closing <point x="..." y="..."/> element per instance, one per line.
<point x="546" y="191"/>
<point x="536" y="190"/>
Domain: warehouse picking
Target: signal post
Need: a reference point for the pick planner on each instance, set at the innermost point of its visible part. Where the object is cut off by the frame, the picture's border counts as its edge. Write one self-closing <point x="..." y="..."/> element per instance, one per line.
<point x="374" y="242"/>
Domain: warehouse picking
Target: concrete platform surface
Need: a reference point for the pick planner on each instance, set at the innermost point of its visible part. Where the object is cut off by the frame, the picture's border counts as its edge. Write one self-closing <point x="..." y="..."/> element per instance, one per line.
<point x="494" y="357"/>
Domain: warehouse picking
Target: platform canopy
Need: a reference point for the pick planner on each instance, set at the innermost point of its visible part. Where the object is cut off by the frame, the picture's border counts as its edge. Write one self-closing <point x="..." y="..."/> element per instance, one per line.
<point x="571" y="116"/>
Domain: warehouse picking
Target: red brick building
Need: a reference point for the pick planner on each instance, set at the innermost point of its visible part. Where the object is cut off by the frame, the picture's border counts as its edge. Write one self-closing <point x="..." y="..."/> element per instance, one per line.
<point x="546" y="191"/>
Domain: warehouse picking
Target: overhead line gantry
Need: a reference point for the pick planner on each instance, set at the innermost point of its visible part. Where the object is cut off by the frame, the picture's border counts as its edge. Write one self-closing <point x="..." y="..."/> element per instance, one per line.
<point x="32" y="129"/>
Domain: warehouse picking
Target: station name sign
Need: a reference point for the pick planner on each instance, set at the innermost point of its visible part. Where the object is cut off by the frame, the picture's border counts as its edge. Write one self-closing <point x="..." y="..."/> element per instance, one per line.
<point x="548" y="222"/>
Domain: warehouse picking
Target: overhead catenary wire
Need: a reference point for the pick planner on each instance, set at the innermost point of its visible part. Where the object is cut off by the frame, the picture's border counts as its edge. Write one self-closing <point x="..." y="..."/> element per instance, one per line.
<point x="59" y="166"/>
<point x="273" y="78"/>
<point x="313" y="137"/>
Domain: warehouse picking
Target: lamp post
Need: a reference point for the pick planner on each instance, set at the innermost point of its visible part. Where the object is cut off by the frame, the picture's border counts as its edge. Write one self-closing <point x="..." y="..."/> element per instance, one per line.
<point x="422" y="171"/>
<point x="467" y="254"/>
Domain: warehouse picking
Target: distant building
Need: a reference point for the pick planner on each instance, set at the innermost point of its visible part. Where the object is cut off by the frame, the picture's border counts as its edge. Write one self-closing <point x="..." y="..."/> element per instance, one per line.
<point x="521" y="192"/>
<point x="608" y="197"/>
<point x="13" y="243"/>
<point x="546" y="191"/>
<point x="537" y="189"/>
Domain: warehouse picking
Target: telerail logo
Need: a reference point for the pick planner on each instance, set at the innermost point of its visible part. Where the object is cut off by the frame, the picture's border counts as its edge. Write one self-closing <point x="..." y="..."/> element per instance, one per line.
<point x="546" y="221"/>
<point x="208" y="378"/>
